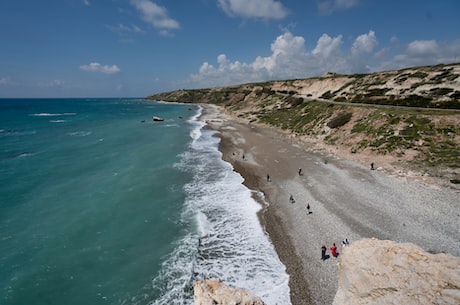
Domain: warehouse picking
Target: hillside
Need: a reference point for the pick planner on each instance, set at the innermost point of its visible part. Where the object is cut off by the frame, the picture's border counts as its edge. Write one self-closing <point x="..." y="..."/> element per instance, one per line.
<point x="407" y="118"/>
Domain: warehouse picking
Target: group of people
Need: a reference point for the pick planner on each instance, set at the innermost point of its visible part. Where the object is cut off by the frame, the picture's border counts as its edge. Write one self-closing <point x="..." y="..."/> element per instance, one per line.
<point x="333" y="249"/>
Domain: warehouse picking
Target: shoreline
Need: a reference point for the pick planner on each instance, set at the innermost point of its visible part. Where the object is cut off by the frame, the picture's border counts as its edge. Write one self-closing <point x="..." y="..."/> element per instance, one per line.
<point x="347" y="200"/>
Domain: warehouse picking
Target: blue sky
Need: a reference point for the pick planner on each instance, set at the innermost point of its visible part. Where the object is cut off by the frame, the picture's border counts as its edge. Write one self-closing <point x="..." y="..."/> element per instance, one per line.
<point x="132" y="48"/>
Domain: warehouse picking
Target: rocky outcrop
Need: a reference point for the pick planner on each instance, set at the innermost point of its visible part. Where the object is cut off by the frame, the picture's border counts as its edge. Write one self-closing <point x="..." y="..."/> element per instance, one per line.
<point x="375" y="271"/>
<point x="214" y="292"/>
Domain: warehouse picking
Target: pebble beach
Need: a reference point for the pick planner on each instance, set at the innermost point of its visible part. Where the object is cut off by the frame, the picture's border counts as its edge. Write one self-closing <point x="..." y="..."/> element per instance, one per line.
<point x="346" y="199"/>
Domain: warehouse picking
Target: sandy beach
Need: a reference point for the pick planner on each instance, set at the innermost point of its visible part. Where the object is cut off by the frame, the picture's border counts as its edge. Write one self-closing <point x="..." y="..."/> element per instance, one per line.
<point x="346" y="200"/>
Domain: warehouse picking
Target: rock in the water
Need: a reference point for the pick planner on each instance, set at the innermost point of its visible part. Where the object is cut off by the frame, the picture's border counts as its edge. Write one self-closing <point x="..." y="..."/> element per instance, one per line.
<point x="375" y="271"/>
<point x="214" y="292"/>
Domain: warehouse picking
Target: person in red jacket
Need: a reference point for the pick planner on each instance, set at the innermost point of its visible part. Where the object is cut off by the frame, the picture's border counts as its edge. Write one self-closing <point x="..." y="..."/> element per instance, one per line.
<point x="334" y="250"/>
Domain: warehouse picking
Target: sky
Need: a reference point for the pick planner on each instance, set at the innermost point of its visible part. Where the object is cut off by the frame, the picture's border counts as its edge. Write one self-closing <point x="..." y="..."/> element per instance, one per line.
<point x="133" y="48"/>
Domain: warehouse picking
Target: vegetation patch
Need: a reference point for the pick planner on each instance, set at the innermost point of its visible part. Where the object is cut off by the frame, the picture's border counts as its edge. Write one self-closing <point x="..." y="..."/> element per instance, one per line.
<point x="419" y="74"/>
<point x="340" y="120"/>
<point x="441" y="91"/>
<point x="431" y="136"/>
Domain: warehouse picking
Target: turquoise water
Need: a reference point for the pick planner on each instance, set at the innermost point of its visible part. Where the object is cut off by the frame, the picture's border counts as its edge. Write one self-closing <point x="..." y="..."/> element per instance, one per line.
<point x="101" y="205"/>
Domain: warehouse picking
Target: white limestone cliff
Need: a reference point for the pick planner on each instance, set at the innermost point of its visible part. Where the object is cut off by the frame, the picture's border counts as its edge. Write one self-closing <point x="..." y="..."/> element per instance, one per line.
<point x="376" y="272"/>
<point x="214" y="292"/>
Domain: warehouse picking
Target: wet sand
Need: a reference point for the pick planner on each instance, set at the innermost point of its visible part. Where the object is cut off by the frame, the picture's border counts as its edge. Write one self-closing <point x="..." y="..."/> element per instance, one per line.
<point x="346" y="199"/>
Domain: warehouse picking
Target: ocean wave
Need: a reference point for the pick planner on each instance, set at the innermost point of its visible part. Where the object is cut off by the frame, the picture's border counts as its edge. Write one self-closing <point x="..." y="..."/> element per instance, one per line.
<point x="15" y="132"/>
<point x="57" y="121"/>
<point x="19" y="155"/>
<point x="45" y="114"/>
<point x="24" y="154"/>
<point x="79" y="133"/>
<point x="226" y="239"/>
<point x="195" y="134"/>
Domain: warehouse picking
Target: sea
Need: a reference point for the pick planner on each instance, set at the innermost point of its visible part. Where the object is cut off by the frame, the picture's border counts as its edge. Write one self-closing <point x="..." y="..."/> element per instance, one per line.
<point x="99" y="204"/>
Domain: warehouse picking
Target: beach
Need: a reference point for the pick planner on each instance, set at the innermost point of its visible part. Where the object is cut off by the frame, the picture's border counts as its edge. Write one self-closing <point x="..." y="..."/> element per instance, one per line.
<point x="346" y="198"/>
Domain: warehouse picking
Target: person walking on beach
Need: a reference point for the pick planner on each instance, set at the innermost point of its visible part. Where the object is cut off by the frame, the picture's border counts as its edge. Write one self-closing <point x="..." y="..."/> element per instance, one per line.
<point x="308" y="208"/>
<point x="268" y="178"/>
<point x="372" y="166"/>
<point x="291" y="199"/>
<point x="300" y="172"/>
<point x="334" y="250"/>
<point x="323" y="253"/>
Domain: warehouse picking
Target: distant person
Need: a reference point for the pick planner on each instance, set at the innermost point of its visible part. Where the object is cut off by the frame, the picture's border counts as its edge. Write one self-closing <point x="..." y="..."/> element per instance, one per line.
<point x="300" y="172"/>
<point x="372" y="166"/>
<point x="291" y="199"/>
<point x="334" y="250"/>
<point x="268" y="178"/>
<point x="308" y="208"/>
<point x="243" y="156"/>
<point x="345" y="242"/>
<point x="323" y="253"/>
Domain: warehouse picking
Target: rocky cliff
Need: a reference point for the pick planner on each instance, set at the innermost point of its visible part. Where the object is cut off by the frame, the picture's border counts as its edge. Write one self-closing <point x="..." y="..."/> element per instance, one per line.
<point x="409" y="118"/>
<point x="376" y="272"/>
<point x="214" y="292"/>
<point x="428" y="87"/>
<point x="373" y="272"/>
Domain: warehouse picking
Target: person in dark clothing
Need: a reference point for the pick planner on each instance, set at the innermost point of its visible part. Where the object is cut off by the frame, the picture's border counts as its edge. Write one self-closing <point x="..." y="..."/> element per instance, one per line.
<point x="323" y="253"/>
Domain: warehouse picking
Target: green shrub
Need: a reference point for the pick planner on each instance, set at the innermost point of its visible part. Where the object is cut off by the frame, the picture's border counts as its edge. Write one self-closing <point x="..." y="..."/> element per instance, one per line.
<point x="327" y="95"/>
<point x="419" y="74"/>
<point x="441" y="91"/>
<point x="340" y="120"/>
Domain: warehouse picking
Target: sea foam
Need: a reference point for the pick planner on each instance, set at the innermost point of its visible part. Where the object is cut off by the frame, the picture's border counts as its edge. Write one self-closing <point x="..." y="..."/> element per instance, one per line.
<point x="225" y="238"/>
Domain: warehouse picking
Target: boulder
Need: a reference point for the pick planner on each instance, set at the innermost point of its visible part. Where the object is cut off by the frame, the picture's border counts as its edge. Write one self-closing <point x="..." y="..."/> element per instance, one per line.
<point x="375" y="271"/>
<point x="214" y="292"/>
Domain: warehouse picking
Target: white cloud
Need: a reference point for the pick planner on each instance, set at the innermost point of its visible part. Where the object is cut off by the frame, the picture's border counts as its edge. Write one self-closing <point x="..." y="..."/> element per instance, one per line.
<point x="289" y="59"/>
<point x="327" y="7"/>
<point x="327" y="46"/>
<point x="4" y="81"/>
<point x="422" y="48"/>
<point x="266" y="9"/>
<point x="156" y="16"/>
<point x="345" y="3"/>
<point x="121" y="28"/>
<point x="49" y="84"/>
<point x="97" y="67"/>
<point x="365" y="43"/>
<point x="86" y="2"/>
<point x="423" y="52"/>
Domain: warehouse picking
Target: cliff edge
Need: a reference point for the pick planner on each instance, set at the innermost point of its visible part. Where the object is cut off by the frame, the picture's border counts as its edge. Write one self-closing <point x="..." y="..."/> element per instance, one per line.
<point x="376" y="272"/>
<point x="214" y="292"/>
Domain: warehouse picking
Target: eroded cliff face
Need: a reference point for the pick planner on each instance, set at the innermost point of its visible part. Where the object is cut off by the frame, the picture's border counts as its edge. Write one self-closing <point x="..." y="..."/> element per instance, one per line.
<point x="364" y="118"/>
<point x="214" y="292"/>
<point x="375" y="271"/>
